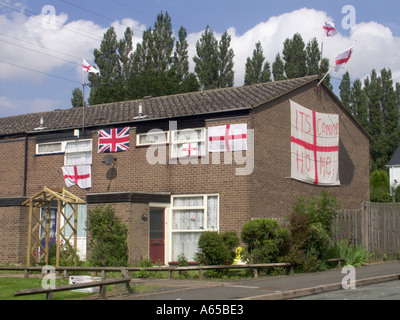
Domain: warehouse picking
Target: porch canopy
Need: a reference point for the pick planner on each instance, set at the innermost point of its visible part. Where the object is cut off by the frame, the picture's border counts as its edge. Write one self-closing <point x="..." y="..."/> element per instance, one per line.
<point x="39" y="225"/>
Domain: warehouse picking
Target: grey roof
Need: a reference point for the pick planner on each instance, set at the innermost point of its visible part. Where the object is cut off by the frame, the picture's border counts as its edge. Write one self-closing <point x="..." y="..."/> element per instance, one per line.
<point x="193" y="103"/>
<point x="395" y="161"/>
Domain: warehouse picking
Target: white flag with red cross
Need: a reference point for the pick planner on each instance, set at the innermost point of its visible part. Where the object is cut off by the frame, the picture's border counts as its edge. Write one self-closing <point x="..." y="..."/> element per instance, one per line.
<point x="230" y="137"/>
<point x="314" y="146"/>
<point x="343" y="58"/>
<point x="88" y="68"/>
<point x="78" y="175"/>
<point x="329" y="28"/>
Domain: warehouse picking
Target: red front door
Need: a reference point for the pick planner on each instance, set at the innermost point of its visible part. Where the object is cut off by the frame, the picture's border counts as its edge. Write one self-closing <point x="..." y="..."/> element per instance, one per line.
<point x="157" y="235"/>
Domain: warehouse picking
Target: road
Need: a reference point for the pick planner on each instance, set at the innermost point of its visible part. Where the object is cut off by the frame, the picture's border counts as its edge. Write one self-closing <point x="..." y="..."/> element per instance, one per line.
<point x="380" y="291"/>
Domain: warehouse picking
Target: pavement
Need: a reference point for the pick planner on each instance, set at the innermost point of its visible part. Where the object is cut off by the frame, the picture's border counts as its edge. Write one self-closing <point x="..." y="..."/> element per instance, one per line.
<point x="265" y="288"/>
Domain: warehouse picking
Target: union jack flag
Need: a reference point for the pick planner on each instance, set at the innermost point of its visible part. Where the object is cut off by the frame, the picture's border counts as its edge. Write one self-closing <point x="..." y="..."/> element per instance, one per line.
<point x="113" y="140"/>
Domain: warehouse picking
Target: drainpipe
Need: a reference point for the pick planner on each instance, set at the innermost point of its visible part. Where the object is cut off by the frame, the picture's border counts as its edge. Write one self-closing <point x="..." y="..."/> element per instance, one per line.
<point x="25" y="164"/>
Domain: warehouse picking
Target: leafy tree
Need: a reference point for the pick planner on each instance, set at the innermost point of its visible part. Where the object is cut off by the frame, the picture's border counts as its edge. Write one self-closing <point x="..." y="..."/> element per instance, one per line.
<point x="345" y="92"/>
<point x="256" y="70"/>
<point x="295" y="57"/>
<point x="77" y="98"/>
<point x="187" y="80"/>
<point x="313" y="57"/>
<point x="206" y="60"/>
<point x="107" y="86"/>
<point x="323" y="70"/>
<point x="278" y="68"/>
<point x="225" y="62"/>
<point x="358" y="101"/>
<point x="108" y="235"/>
<point x="390" y="112"/>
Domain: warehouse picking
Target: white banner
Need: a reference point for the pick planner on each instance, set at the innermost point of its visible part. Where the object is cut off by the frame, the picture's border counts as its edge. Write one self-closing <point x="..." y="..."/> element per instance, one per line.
<point x="314" y="146"/>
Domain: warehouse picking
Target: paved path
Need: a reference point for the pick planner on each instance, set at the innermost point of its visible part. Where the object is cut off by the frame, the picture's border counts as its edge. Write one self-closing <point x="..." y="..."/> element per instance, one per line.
<point x="266" y="288"/>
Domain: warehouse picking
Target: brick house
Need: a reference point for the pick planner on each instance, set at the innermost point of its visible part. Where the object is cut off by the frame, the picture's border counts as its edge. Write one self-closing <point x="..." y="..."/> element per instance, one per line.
<point x="168" y="188"/>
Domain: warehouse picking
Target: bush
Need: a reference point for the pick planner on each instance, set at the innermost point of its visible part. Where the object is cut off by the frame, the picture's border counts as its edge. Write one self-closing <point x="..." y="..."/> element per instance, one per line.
<point x="310" y="229"/>
<point x="265" y="240"/>
<point x="216" y="248"/>
<point x="107" y="238"/>
<point x="379" y="183"/>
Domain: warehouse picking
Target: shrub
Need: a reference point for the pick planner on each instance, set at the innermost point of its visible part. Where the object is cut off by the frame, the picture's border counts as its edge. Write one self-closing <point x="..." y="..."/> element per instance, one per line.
<point x="216" y="248"/>
<point x="107" y="238"/>
<point x="310" y="229"/>
<point x="265" y="240"/>
<point x="352" y="254"/>
<point x="380" y="190"/>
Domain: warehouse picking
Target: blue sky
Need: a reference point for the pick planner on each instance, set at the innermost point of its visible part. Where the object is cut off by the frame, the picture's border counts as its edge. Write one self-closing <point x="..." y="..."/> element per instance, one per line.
<point x="55" y="54"/>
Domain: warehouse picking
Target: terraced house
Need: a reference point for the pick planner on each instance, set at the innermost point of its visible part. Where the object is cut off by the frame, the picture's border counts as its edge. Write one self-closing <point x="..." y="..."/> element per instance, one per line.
<point x="176" y="166"/>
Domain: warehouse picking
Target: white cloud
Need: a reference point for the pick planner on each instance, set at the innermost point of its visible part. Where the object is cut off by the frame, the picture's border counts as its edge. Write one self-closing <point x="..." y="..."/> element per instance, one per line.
<point x="376" y="47"/>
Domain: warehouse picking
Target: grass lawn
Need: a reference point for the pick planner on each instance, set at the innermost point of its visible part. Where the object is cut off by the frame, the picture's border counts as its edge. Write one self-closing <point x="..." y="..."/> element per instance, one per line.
<point x="10" y="285"/>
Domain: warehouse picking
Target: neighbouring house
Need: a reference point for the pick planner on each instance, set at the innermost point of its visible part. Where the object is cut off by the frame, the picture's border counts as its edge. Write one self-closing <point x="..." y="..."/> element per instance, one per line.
<point x="394" y="170"/>
<point x="175" y="166"/>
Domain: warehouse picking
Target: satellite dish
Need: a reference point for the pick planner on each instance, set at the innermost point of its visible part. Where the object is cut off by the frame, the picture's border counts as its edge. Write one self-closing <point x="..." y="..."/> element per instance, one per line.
<point x="108" y="159"/>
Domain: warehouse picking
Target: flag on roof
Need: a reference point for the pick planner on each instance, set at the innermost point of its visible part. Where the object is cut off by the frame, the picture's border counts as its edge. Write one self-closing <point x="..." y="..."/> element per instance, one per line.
<point x="88" y="68"/>
<point x="113" y="140"/>
<point x="329" y="27"/>
<point x="343" y="58"/>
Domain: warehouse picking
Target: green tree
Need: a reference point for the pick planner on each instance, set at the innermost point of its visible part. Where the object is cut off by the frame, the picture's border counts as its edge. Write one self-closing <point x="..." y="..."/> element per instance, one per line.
<point x="187" y="80"/>
<point x="323" y="70"/>
<point x="278" y="68"/>
<point x="345" y="92"/>
<point x="256" y="70"/>
<point x="295" y="57"/>
<point x="390" y="112"/>
<point x="373" y="92"/>
<point x="108" y="85"/>
<point x="206" y="60"/>
<point x="313" y="57"/>
<point x="225" y="62"/>
<point x="358" y="101"/>
<point x="108" y="235"/>
<point x="77" y="98"/>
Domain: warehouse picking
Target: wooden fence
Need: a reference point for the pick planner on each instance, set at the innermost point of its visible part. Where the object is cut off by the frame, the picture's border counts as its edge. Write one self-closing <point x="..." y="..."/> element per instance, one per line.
<point x="375" y="225"/>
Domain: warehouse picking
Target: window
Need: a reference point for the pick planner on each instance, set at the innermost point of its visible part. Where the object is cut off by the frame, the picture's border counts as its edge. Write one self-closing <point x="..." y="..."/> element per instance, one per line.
<point x="152" y="137"/>
<point x="50" y="148"/>
<point x="188" y="143"/>
<point x="78" y="152"/>
<point x="192" y="215"/>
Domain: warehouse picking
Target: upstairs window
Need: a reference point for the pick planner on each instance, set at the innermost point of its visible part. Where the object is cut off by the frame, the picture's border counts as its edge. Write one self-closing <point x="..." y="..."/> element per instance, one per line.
<point x="78" y="152"/>
<point x="50" y="148"/>
<point x="188" y="143"/>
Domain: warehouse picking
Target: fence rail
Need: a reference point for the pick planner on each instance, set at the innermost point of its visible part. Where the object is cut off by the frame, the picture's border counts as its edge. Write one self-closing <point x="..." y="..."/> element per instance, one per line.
<point x="170" y="269"/>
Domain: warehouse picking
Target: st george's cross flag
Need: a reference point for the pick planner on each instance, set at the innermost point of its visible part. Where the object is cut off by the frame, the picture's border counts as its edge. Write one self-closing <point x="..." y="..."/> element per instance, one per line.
<point x="343" y="58"/>
<point x="231" y="137"/>
<point x="88" y="68"/>
<point x="78" y="175"/>
<point x="314" y="146"/>
<point x="329" y="28"/>
<point x="113" y="140"/>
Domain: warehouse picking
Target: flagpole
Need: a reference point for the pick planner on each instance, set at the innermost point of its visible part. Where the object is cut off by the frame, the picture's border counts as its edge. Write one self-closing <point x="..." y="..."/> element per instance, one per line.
<point x="325" y="76"/>
<point x="83" y="97"/>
